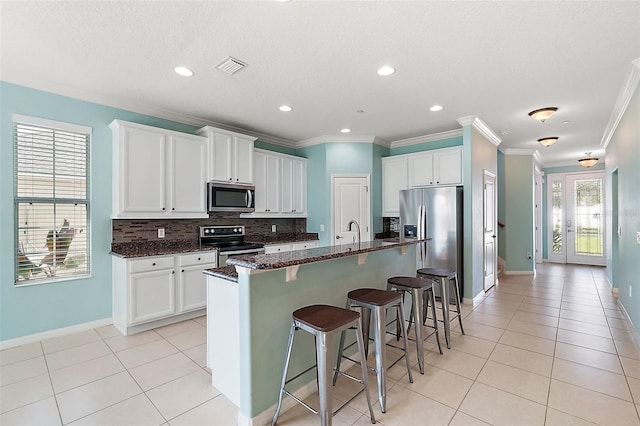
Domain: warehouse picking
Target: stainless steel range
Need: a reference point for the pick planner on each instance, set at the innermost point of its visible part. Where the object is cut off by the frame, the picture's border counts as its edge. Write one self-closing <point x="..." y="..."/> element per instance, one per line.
<point x="229" y="240"/>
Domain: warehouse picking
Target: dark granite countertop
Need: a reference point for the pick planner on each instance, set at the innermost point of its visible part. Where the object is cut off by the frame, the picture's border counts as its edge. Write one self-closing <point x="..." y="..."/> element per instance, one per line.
<point x="281" y="238"/>
<point x="156" y="248"/>
<point x="300" y="257"/>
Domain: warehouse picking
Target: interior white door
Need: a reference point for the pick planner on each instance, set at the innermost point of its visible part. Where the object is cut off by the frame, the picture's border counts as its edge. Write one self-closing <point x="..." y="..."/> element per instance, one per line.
<point x="490" y="232"/>
<point x="351" y="201"/>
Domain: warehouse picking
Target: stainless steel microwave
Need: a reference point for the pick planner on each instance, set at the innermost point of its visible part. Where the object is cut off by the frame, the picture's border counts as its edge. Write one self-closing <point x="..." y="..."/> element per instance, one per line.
<point x="229" y="197"/>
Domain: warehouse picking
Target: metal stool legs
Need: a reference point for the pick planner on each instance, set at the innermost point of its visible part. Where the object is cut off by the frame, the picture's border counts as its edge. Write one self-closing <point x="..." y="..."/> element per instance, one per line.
<point x="375" y="303"/>
<point x="324" y="334"/>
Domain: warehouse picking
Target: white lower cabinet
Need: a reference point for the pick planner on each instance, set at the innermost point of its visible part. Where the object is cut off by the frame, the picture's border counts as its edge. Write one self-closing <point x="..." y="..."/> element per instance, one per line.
<point x="155" y="291"/>
<point x="283" y="248"/>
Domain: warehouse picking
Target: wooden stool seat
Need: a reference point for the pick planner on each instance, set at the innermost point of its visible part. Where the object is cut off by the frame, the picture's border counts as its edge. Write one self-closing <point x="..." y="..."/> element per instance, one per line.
<point x="411" y="282"/>
<point x="438" y="272"/>
<point x="374" y="296"/>
<point x="325" y="318"/>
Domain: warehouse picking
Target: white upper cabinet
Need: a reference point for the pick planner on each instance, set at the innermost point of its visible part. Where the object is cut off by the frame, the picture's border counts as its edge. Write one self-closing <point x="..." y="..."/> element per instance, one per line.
<point x="294" y="185"/>
<point x="281" y="185"/>
<point x="430" y="168"/>
<point x="394" y="179"/>
<point x="157" y="173"/>
<point x="230" y="156"/>
<point x="267" y="175"/>
<point x="448" y="167"/>
<point x="421" y="169"/>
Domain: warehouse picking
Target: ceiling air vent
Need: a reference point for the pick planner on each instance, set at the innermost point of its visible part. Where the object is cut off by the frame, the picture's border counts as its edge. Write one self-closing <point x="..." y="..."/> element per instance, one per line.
<point x="231" y="65"/>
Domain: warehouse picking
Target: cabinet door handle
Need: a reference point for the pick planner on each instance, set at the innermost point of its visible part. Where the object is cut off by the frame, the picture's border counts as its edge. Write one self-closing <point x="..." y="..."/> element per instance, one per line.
<point x="230" y="178"/>
<point x="154" y="264"/>
<point x="173" y="208"/>
<point x="173" y="272"/>
<point x="198" y="258"/>
<point x="183" y="270"/>
<point x="163" y="209"/>
<point x="237" y="179"/>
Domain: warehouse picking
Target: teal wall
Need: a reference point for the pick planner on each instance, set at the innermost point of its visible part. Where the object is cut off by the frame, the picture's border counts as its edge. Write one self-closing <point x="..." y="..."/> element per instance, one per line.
<point x="502" y="244"/>
<point x="30" y="309"/>
<point x="623" y="156"/>
<point x="328" y="159"/>
<point x="479" y="155"/>
<point x="519" y="211"/>
<point x="427" y="146"/>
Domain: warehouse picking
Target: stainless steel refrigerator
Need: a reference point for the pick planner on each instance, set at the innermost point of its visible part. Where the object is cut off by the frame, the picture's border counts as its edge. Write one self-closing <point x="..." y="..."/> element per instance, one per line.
<point x="435" y="213"/>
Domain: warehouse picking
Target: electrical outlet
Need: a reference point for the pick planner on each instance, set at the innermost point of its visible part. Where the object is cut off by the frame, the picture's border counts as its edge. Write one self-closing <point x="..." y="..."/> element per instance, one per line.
<point x="160" y="232"/>
<point x="630" y="291"/>
<point x="273" y="228"/>
<point x="321" y="228"/>
<point x="637" y="237"/>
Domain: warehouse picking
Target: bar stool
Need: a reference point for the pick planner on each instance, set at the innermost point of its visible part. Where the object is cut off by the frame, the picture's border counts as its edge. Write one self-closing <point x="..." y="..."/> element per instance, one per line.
<point x="420" y="290"/>
<point x="376" y="302"/>
<point x="324" y="322"/>
<point x="444" y="276"/>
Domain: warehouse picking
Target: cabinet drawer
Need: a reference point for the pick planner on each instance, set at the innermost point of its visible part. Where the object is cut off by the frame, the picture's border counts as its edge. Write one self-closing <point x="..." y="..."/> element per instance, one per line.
<point x="277" y="248"/>
<point x="150" y="264"/>
<point x="304" y="245"/>
<point x="201" y="258"/>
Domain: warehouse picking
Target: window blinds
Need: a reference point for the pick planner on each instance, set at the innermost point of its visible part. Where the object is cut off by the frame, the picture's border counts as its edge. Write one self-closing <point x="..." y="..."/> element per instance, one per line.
<point x="51" y="203"/>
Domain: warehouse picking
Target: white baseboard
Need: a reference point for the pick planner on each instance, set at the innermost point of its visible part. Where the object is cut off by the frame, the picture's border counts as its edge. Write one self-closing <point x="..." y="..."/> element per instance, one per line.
<point x="476" y="300"/>
<point x="58" y="332"/>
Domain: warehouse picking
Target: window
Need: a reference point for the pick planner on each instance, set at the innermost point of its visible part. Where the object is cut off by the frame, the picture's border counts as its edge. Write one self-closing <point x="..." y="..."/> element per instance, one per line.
<point x="51" y="199"/>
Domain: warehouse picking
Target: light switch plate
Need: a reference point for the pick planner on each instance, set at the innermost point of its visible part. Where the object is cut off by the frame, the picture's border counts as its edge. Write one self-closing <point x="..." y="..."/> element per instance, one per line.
<point x="637" y="237"/>
<point x="273" y="228"/>
<point x="160" y="232"/>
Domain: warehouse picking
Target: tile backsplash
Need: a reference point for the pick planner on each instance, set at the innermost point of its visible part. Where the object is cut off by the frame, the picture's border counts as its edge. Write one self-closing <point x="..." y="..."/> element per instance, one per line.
<point x="130" y="230"/>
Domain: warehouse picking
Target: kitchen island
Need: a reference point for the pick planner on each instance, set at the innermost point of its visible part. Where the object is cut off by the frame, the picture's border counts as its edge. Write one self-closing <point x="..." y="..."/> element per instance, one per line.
<point x="249" y="313"/>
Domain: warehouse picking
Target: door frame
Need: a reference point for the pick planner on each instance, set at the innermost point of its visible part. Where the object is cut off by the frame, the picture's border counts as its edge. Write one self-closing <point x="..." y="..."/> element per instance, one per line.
<point x="367" y="230"/>
<point x="562" y="258"/>
<point x="487" y="174"/>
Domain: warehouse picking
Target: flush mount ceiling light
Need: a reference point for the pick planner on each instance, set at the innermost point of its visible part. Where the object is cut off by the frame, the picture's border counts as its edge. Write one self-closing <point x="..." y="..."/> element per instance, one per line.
<point x="386" y="70"/>
<point x="183" y="71"/>
<point x="436" y="108"/>
<point x="588" y="161"/>
<point x="548" y="141"/>
<point x="285" y="108"/>
<point x="542" y="114"/>
<point x="346" y="130"/>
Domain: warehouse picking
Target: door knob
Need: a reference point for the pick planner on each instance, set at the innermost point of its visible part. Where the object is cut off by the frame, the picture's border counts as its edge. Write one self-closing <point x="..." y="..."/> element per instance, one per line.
<point x="338" y="237"/>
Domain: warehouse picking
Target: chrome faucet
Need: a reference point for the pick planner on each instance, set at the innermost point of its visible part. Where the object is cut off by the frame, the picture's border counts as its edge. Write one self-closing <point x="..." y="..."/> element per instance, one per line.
<point x="353" y="222"/>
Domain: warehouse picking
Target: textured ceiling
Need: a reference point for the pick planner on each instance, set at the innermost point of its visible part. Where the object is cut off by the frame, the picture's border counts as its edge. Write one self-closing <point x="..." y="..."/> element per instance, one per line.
<point x="496" y="60"/>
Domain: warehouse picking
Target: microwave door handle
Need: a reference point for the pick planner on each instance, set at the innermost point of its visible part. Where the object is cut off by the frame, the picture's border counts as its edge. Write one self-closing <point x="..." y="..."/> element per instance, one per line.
<point x="249" y="198"/>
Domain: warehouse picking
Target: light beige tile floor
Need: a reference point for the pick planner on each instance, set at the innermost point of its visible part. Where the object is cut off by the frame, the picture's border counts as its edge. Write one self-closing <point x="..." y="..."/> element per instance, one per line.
<point x="550" y="350"/>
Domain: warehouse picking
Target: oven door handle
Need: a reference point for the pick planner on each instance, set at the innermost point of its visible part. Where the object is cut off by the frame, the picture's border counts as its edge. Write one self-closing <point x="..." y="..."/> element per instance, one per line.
<point x="251" y="251"/>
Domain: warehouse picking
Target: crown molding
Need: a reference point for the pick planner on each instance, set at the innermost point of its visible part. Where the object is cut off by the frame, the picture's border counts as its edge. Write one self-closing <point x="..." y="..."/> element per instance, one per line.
<point x="342" y="139"/>
<point x="481" y="126"/>
<point x="427" y="138"/>
<point x="517" y="151"/>
<point x="624" y="97"/>
<point x="140" y="108"/>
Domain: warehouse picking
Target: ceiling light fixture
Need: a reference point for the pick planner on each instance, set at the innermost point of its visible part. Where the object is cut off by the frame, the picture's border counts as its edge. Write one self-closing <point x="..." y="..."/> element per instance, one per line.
<point x="435" y="108"/>
<point x="285" y="108"/>
<point x="548" y="141"/>
<point x="183" y="71"/>
<point x="542" y="114"/>
<point x="588" y="161"/>
<point x="346" y="130"/>
<point x="386" y="70"/>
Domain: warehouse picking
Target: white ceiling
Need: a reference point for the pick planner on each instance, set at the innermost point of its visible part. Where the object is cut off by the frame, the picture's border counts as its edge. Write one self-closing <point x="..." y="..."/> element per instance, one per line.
<point x="494" y="59"/>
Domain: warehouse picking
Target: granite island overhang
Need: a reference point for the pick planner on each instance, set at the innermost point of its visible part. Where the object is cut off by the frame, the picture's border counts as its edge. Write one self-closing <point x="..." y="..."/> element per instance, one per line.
<point x="249" y="306"/>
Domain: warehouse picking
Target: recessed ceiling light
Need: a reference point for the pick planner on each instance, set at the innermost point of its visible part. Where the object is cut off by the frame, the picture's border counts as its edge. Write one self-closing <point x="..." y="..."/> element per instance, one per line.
<point x="386" y="70"/>
<point x="346" y="130"/>
<point x="183" y="71"/>
<point x="435" y="108"/>
<point x="285" y="108"/>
